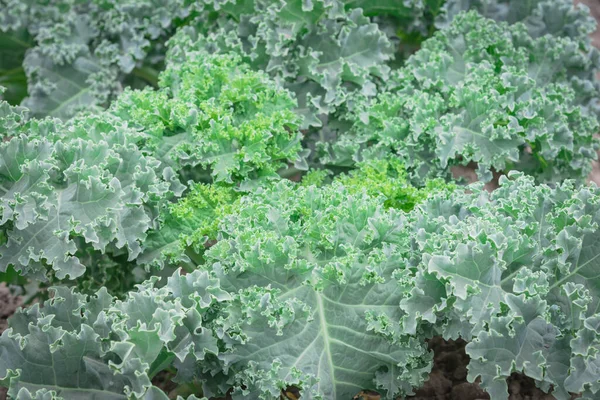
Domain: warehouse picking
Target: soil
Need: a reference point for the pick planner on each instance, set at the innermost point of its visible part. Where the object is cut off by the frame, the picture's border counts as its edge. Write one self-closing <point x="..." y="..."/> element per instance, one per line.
<point x="163" y="381"/>
<point x="8" y="305"/>
<point x="469" y="175"/>
<point x="447" y="380"/>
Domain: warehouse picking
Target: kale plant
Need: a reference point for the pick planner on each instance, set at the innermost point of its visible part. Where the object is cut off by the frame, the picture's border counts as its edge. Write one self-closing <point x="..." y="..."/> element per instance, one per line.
<point x="252" y="199"/>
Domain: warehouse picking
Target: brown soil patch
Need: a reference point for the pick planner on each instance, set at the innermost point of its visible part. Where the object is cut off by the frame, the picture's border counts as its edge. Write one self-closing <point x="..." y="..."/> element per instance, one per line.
<point x="448" y="379"/>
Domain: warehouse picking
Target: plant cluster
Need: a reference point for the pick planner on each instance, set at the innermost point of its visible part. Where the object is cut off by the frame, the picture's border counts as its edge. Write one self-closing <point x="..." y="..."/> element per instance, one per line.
<point x="273" y="214"/>
<point x="481" y="92"/>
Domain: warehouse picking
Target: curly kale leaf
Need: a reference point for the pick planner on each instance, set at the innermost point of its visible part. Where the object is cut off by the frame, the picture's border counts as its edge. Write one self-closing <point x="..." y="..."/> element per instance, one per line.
<point x="318" y="49"/>
<point x="58" y="184"/>
<point x="214" y="113"/>
<point x="70" y="56"/>
<point x="483" y="92"/>
<point x="12" y="118"/>
<point x="191" y="225"/>
<point x="316" y="275"/>
<point x="560" y="18"/>
<point x="302" y="276"/>
<point x="98" y="183"/>
<point x="98" y="347"/>
<point x="516" y="273"/>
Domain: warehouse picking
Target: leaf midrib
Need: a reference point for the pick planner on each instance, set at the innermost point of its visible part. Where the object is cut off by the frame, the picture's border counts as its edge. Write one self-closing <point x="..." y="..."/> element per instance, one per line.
<point x="326" y="339"/>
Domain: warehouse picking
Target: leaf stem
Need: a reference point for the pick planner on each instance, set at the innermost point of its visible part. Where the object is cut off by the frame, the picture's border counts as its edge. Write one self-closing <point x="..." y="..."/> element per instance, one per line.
<point x="148" y="74"/>
<point x="289" y="172"/>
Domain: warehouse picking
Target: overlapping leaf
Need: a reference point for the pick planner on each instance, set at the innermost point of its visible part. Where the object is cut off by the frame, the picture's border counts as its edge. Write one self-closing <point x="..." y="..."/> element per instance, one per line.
<point x="98" y="347"/>
<point x="487" y="93"/>
<point x="305" y="276"/>
<point x="317" y="276"/>
<point x="516" y="271"/>
<point x="105" y="191"/>
<point x="98" y="183"/>
<point x="68" y="56"/>
<point x="541" y="17"/>
<point x="214" y="113"/>
<point x="320" y="50"/>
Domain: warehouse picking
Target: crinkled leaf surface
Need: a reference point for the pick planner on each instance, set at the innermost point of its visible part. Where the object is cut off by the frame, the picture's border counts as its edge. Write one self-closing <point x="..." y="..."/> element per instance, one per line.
<point x="481" y="92"/>
<point x="317" y="49"/>
<point x="98" y="347"/>
<point x="316" y="279"/>
<point x="79" y="53"/>
<point x="517" y="271"/>
<point x="55" y="187"/>
<point x="215" y="113"/>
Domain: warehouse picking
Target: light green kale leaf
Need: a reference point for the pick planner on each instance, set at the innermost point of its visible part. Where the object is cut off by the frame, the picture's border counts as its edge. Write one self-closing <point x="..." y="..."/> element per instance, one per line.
<point x="189" y="226"/>
<point x="217" y="117"/>
<point x="100" y="183"/>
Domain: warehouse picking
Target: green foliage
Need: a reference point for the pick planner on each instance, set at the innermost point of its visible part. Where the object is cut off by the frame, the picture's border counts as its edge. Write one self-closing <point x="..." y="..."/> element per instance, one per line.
<point x="388" y="178"/>
<point x="99" y="183"/>
<point x="516" y="272"/>
<point x="98" y="347"/>
<point x="54" y="189"/>
<point x="75" y="55"/>
<point x="212" y="111"/>
<point x="291" y="236"/>
<point x="302" y="277"/>
<point x="318" y="274"/>
<point x="483" y="92"/>
<point x="329" y="284"/>
<point x="68" y="56"/>
<point x="189" y="226"/>
<point x="541" y="17"/>
<point x="321" y="50"/>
